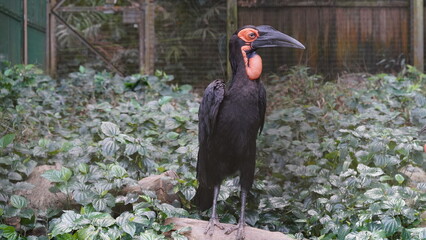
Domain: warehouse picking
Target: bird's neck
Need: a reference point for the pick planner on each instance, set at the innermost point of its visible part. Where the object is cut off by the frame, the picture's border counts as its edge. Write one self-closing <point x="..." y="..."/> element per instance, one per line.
<point x="246" y="66"/>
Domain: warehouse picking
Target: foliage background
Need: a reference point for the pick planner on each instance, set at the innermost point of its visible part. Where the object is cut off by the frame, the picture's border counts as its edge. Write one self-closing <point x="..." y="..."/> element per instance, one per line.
<point x="330" y="161"/>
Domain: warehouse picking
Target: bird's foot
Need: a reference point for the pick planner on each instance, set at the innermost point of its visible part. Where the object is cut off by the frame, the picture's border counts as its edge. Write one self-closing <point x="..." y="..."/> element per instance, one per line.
<point x="213" y="222"/>
<point x="240" y="231"/>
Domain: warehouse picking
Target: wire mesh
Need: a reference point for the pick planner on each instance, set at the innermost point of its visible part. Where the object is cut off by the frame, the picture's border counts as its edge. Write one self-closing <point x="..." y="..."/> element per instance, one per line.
<point x="337" y="39"/>
<point x="190" y="37"/>
<point x="107" y="31"/>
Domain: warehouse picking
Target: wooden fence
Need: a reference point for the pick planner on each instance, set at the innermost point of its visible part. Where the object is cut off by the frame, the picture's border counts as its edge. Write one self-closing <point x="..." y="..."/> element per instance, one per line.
<point x="340" y="35"/>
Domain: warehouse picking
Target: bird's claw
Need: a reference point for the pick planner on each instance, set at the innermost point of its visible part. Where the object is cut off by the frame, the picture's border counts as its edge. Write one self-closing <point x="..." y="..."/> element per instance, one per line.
<point x="240" y="231"/>
<point x="213" y="222"/>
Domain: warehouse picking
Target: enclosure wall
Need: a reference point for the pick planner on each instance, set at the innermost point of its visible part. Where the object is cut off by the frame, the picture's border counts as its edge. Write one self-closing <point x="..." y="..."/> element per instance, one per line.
<point x="338" y="37"/>
<point x="13" y="31"/>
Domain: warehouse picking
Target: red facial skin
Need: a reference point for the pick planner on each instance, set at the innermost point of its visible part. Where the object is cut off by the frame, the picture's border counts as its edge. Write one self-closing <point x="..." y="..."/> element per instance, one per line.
<point x="254" y="63"/>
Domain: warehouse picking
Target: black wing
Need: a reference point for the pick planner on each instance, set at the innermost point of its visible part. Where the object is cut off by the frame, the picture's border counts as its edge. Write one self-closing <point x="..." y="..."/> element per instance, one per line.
<point x="207" y="116"/>
<point x="209" y="108"/>
<point x="262" y="106"/>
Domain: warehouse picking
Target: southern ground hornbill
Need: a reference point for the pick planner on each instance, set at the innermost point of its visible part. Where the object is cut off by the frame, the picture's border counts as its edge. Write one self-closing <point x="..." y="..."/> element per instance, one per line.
<point x="231" y="118"/>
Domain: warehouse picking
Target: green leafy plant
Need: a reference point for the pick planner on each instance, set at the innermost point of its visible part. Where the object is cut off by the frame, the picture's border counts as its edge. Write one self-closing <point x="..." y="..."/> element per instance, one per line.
<point x="16" y="78"/>
<point x="144" y="222"/>
<point x="330" y="165"/>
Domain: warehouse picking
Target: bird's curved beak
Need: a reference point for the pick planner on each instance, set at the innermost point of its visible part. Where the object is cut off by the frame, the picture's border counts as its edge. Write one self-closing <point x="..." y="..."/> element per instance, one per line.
<point x="269" y="37"/>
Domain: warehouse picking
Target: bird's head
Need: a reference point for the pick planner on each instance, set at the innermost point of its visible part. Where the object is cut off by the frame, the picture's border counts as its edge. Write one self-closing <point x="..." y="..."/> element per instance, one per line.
<point x="248" y="39"/>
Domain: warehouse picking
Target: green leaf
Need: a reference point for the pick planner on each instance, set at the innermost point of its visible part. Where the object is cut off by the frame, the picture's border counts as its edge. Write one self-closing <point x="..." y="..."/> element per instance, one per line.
<point x="26" y="213"/>
<point x="166" y="228"/>
<point x="58" y="176"/>
<point x="399" y="178"/>
<point x="405" y="235"/>
<point x="66" y="236"/>
<point x="114" y="233"/>
<point x="172" y="211"/>
<point x="252" y="217"/>
<point x="83" y="168"/>
<point x="100" y="204"/>
<point x="385" y="178"/>
<point x="150" y="235"/>
<point x="8" y="72"/>
<point x="172" y="135"/>
<point x="117" y="171"/>
<point x="177" y="236"/>
<point x="343" y="231"/>
<point x="185" y="88"/>
<point x="110" y="129"/>
<point x="184" y="229"/>
<point x="82" y="69"/>
<point x="102" y="220"/>
<point x="390" y="225"/>
<point x="27" y="167"/>
<point x="182" y="150"/>
<point x="375" y="193"/>
<point x="109" y="147"/>
<point x="18" y="201"/>
<point x="8" y="232"/>
<point x="188" y="192"/>
<point x="6" y="140"/>
<point x="165" y="99"/>
<point x="66" y="223"/>
<point x="66" y="174"/>
<point x="88" y="233"/>
<point x="126" y="224"/>
<point x="131" y="148"/>
<point x="14" y="176"/>
<point x="365" y="170"/>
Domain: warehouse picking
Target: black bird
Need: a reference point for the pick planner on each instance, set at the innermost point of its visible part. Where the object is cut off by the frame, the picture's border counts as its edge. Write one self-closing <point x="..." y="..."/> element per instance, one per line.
<point x="231" y="118"/>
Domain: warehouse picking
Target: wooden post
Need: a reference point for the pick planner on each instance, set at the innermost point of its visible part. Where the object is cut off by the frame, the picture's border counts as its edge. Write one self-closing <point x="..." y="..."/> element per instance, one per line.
<point x="51" y="39"/>
<point x="231" y="26"/>
<point x="141" y="31"/>
<point x="47" y="42"/>
<point x="417" y="38"/>
<point x="25" y="28"/>
<point x="149" y="36"/>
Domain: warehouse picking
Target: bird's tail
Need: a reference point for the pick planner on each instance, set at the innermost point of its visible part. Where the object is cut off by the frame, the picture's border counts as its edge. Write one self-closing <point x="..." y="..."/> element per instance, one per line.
<point x="203" y="198"/>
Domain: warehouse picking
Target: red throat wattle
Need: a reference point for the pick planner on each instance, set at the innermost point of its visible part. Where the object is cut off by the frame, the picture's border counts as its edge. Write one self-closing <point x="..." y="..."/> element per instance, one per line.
<point x="253" y="64"/>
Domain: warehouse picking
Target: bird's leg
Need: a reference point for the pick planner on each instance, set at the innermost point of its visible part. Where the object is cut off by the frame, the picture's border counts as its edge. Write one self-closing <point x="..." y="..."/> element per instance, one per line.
<point x="214" y="220"/>
<point x="242" y="221"/>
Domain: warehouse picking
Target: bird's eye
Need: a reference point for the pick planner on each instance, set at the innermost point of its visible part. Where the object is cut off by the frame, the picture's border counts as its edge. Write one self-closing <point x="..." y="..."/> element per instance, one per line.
<point x="252" y="35"/>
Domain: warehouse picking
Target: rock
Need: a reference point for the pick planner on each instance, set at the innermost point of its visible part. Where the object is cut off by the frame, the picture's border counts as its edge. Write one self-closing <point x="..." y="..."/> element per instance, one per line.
<point x="353" y="80"/>
<point x="14" y="222"/>
<point x="40" y="197"/>
<point x="415" y="174"/>
<point x="423" y="222"/>
<point x="161" y="184"/>
<point x="198" y="227"/>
